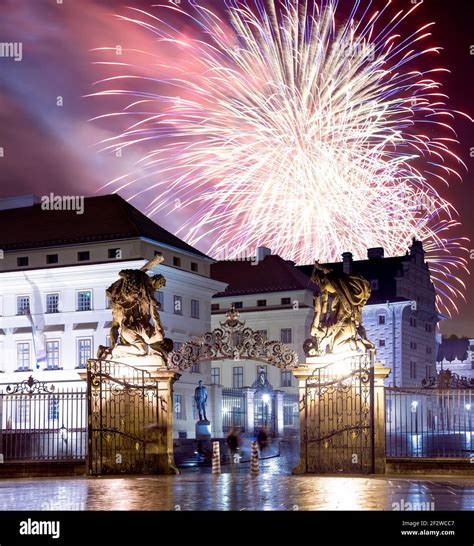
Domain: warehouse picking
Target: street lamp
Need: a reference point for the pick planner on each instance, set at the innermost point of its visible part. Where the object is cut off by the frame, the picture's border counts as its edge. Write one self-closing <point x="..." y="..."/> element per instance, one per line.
<point x="63" y="433"/>
<point x="414" y="408"/>
<point x="266" y="401"/>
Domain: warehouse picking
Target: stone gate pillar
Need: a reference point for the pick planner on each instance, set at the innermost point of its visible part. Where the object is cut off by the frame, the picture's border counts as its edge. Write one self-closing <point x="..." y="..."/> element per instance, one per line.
<point x="380" y="374"/>
<point x="302" y="374"/>
<point x="323" y="403"/>
<point x="249" y="396"/>
<point x="279" y="417"/>
<point x="216" y="401"/>
<point x="162" y="450"/>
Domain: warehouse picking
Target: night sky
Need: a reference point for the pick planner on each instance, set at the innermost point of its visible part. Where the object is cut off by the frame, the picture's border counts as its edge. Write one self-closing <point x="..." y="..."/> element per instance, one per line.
<point x="53" y="148"/>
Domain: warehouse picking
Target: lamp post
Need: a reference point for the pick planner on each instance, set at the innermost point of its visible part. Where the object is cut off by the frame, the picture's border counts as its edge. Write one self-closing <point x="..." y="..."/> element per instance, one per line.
<point x="414" y="410"/>
<point x="63" y="433"/>
<point x="265" y="400"/>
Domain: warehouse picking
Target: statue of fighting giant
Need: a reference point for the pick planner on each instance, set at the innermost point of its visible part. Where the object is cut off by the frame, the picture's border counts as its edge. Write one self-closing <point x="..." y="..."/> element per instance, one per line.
<point x="136" y="326"/>
<point x="337" y="322"/>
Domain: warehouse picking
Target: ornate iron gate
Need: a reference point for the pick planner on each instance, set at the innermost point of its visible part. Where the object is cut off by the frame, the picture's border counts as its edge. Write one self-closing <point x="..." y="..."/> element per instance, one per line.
<point x="339" y="417"/>
<point x="126" y="415"/>
<point x="39" y="422"/>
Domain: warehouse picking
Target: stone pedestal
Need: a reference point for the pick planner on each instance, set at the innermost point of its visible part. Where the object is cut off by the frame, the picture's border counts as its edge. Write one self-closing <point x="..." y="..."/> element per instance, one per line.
<point x="203" y="430"/>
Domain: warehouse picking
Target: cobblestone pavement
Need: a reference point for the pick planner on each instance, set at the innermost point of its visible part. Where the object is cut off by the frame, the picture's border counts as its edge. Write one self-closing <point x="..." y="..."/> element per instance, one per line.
<point x="238" y="491"/>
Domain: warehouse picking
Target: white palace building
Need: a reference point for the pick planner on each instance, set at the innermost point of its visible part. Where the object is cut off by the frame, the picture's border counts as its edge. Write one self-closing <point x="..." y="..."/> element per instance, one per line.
<point x="276" y="296"/>
<point x="56" y="266"/>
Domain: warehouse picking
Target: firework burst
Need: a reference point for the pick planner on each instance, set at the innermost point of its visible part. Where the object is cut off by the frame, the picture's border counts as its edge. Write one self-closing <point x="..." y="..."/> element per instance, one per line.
<point x="280" y="126"/>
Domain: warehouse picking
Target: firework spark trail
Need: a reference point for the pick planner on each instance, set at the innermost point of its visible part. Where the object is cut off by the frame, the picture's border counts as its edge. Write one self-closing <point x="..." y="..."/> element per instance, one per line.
<point x="295" y="132"/>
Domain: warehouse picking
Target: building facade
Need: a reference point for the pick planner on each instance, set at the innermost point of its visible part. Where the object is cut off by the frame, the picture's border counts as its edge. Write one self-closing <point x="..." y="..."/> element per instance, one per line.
<point x="457" y="355"/>
<point x="276" y="297"/>
<point x="55" y="269"/>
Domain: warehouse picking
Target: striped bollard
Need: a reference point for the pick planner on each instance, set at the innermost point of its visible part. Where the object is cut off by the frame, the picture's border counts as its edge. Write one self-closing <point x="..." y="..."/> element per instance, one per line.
<point x="254" y="469"/>
<point x="216" y="458"/>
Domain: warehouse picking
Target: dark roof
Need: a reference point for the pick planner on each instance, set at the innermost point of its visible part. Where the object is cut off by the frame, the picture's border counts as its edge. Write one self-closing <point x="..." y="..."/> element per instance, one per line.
<point x="453" y="348"/>
<point x="105" y="218"/>
<point x="272" y="274"/>
<point x="384" y="270"/>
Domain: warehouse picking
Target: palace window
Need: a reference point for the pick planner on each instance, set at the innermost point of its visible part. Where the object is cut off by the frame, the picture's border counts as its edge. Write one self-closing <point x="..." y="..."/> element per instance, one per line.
<point x="115" y="253"/>
<point x="412" y="369"/>
<point x="261" y="303"/>
<point x="176" y="261"/>
<point x="83" y="256"/>
<point x="22" y="262"/>
<point x="22" y="305"/>
<point x="23" y="356"/>
<point x="238" y="305"/>
<point x="160" y="298"/>
<point x="52" y="355"/>
<point x="286" y="301"/>
<point x="215" y="307"/>
<point x="53" y="409"/>
<point x="23" y="411"/>
<point x="381" y="319"/>
<point x="84" y="300"/>
<point x="237" y="377"/>
<point x="381" y="342"/>
<point x="286" y="335"/>
<point x="285" y="378"/>
<point x="195" y="309"/>
<point x="84" y="351"/>
<point x="216" y="376"/>
<point x="289" y="414"/>
<point x="52" y="303"/>
<point x="194" y="267"/>
<point x="52" y="259"/>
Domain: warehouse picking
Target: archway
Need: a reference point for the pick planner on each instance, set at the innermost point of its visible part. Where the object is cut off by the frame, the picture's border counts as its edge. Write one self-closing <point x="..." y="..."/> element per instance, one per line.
<point x="251" y="407"/>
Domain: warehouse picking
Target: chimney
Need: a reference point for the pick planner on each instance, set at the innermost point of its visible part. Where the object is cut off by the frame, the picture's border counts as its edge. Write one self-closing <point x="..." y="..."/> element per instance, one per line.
<point x="262" y="252"/>
<point x="417" y="247"/>
<point x="375" y="253"/>
<point x="347" y="262"/>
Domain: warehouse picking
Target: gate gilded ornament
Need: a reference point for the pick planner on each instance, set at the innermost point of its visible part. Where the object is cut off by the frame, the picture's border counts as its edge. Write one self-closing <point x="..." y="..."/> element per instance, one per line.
<point x="127" y="419"/>
<point x="337" y="406"/>
<point x="232" y="341"/>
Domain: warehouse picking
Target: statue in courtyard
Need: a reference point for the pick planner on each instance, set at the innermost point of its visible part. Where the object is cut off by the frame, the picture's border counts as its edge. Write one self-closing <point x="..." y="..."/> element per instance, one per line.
<point x="200" y="397"/>
<point x="136" y="326"/>
<point x="337" y="323"/>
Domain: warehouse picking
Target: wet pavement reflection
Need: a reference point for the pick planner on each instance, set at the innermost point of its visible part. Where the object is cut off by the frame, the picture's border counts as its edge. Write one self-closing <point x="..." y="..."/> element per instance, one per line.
<point x="237" y="491"/>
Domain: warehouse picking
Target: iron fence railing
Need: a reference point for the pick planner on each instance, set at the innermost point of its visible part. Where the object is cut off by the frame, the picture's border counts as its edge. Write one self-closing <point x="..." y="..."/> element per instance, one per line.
<point x="39" y="424"/>
<point x="429" y="422"/>
<point x="233" y="409"/>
